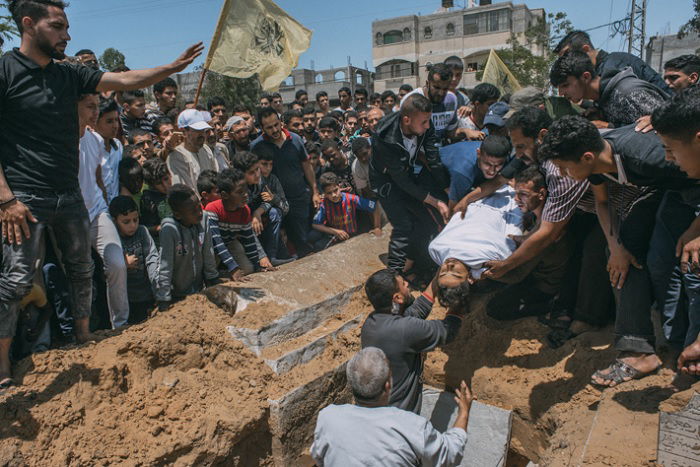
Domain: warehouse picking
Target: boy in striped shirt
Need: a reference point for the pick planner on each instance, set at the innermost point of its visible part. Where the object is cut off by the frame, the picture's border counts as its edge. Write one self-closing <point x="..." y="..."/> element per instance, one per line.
<point x="336" y="219"/>
<point x="230" y="221"/>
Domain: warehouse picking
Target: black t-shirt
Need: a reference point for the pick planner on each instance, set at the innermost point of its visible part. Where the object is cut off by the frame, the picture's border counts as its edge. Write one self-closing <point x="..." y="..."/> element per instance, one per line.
<point x="39" y="141"/>
<point x="643" y="158"/>
<point x="287" y="163"/>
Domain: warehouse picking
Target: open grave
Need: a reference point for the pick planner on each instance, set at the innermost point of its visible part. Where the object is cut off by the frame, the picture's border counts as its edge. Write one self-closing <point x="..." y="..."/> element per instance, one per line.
<point x="196" y="385"/>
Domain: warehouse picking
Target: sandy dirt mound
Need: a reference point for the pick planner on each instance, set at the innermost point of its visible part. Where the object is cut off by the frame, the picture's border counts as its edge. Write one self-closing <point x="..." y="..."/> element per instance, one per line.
<point x="559" y="419"/>
<point x="177" y="389"/>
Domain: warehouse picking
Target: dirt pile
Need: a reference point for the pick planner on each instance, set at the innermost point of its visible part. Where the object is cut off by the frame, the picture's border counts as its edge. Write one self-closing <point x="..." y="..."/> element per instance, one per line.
<point x="559" y="419"/>
<point x="176" y="389"/>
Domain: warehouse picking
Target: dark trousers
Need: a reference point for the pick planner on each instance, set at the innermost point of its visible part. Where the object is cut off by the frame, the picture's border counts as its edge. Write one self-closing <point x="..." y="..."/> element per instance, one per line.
<point x="413" y="224"/>
<point x="585" y="294"/>
<point x="296" y="224"/>
<point x="65" y="214"/>
<point x="270" y="236"/>
<point x="138" y="311"/>
<point x="634" y="330"/>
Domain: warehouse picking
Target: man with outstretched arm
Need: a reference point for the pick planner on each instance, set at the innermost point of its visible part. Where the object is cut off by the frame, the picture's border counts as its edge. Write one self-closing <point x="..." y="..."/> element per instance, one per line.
<point x="39" y="158"/>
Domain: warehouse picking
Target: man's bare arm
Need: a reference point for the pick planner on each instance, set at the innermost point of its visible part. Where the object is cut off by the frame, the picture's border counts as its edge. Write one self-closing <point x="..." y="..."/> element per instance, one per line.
<point x="484" y="190"/>
<point x="137" y="79"/>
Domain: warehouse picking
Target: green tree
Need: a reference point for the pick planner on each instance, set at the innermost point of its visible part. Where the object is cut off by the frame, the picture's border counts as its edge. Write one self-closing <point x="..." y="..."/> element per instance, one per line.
<point x="524" y="55"/>
<point x="8" y="29"/>
<point x="112" y="59"/>
<point x="232" y="90"/>
<point x="693" y="24"/>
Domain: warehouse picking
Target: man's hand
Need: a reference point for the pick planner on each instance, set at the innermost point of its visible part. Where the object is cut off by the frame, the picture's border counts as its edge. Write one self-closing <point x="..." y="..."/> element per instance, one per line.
<point x="495" y="269"/>
<point x="187" y="57"/>
<point x="518" y="239"/>
<point x="689" y="359"/>
<point x="461" y="207"/>
<point x="257" y="225"/>
<point x="688" y="249"/>
<point x="619" y="265"/>
<point x="444" y="211"/>
<point x="600" y="124"/>
<point x="644" y="124"/>
<point x="474" y="135"/>
<point x="377" y="232"/>
<point x="15" y="222"/>
<point x="316" y="198"/>
<point x="173" y="141"/>
<point x="239" y="276"/>
<point x="266" y="196"/>
<point x="132" y="261"/>
<point x="464" y="111"/>
<point x="463" y="397"/>
<point x="266" y="265"/>
<point x="341" y="234"/>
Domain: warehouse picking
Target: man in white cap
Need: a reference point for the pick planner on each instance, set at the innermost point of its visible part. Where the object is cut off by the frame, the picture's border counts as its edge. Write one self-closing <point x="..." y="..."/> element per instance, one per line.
<point x="190" y="158"/>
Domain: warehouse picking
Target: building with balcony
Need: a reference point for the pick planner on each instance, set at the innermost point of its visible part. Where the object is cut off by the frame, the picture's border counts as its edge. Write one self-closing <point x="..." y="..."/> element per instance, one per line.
<point x="403" y="47"/>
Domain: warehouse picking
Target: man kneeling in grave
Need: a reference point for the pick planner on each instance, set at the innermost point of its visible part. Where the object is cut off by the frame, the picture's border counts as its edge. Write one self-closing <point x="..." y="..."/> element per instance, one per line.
<point x="491" y="231"/>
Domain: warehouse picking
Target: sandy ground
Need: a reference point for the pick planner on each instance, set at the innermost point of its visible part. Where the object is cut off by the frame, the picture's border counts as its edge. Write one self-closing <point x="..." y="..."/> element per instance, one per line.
<point x="559" y="419"/>
<point x="179" y="390"/>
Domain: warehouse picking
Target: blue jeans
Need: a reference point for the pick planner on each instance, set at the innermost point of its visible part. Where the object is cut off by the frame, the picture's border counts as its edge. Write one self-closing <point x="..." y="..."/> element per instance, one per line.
<point x="65" y="214"/>
<point x="270" y="236"/>
<point x="677" y="294"/>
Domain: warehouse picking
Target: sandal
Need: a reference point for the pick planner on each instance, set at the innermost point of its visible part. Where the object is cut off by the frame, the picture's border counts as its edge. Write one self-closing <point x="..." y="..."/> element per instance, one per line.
<point x="620" y="372"/>
<point x="557" y="337"/>
<point x="7" y="383"/>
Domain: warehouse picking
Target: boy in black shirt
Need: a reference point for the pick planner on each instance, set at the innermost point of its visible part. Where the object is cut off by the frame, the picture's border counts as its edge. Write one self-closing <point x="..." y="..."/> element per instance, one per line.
<point x="625" y="157"/>
<point x="339" y="165"/>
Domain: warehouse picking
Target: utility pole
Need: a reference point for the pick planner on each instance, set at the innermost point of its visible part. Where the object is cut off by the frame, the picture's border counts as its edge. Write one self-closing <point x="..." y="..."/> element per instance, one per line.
<point x="636" y="34"/>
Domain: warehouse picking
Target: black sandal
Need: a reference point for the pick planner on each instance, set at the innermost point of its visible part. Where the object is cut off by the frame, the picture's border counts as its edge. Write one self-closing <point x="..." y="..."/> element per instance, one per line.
<point x="620" y="372"/>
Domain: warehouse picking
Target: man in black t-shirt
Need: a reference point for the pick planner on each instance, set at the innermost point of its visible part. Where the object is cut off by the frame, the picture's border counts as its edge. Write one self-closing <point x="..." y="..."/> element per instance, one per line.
<point x="39" y="159"/>
<point x="631" y="159"/>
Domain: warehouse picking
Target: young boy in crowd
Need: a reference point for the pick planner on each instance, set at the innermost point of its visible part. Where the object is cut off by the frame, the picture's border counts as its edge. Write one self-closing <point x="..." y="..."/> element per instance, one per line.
<point x="267" y="220"/>
<point x="362" y="150"/>
<point x="141" y="257"/>
<point x="154" y="204"/>
<point x="329" y="128"/>
<point x="144" y="140"/>
<point x="130" y="179"/>
<point x="336" y="219"/>
<point x="206" y="187"/>
<point x="272" y="240"/>
<point x="133" y="113"/>
<point x="313" y="149"/>
<point x="338" y="165"/>
<point x="231" y="220"/>
<point x="187" y="261"/>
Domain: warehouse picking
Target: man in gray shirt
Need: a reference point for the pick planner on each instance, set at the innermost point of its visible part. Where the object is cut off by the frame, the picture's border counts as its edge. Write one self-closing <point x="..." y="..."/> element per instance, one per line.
<point x="399" y="327"/>
<point x="370" y="433"/>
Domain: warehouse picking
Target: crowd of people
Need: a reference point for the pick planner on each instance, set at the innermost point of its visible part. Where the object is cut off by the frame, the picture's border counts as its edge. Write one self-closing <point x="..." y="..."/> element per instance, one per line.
<point x="580" y="209"/>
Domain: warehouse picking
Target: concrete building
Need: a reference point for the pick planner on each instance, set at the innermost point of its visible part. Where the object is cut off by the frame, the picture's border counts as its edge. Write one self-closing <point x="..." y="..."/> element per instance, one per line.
<point x="330" y="80"/>
<point x="661" y="49"/>
<point x="402" y="47"/>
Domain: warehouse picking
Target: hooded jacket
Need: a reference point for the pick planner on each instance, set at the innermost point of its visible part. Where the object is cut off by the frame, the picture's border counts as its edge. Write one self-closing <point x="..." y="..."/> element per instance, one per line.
<point x="624" y="98"/>
<point x="391" y="163"/>
<point x="620" y="60"/>
<point x="186" y="259"/>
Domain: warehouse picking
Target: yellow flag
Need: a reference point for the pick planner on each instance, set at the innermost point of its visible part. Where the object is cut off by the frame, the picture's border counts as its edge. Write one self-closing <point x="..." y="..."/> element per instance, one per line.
<point x="497" y="73"/>
<point x="256" y="36"/>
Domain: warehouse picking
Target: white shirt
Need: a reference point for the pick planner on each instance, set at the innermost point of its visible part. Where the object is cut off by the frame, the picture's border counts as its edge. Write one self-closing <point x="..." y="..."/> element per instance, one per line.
<point x="110" y="165"/>
<point x="360" y="174"/>
<point x="185" y="166"/>
<point x="87" y="174"/>
<point x="350" y="435"/>
<point x="483" y="233"/>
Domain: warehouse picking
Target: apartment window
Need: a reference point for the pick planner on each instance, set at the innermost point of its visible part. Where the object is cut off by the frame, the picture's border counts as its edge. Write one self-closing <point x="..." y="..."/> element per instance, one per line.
<point x="490" y="21"/>
<point x="406" y="34"/>
<point x="450" y="29"/>
<point x="473" y="66"/>
<point x="392" y="37"/>
<point x="379" y="40"/>
<point x="428" y="32"/>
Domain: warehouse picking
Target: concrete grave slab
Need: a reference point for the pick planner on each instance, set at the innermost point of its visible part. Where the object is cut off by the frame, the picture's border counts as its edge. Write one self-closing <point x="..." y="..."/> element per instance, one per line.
<point x="488" y="432"/>
<point x="679" y="435"/>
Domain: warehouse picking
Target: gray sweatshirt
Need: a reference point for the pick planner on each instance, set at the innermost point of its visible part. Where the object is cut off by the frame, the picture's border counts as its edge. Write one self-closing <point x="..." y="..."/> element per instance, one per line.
<point x="186" y="259"/>
<point x="141" y="282"/>
<point x="403" y="338"/>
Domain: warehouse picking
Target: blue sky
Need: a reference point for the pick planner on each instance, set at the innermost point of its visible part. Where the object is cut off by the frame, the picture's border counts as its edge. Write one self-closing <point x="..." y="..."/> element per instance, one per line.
<point x="153" y="32"/>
